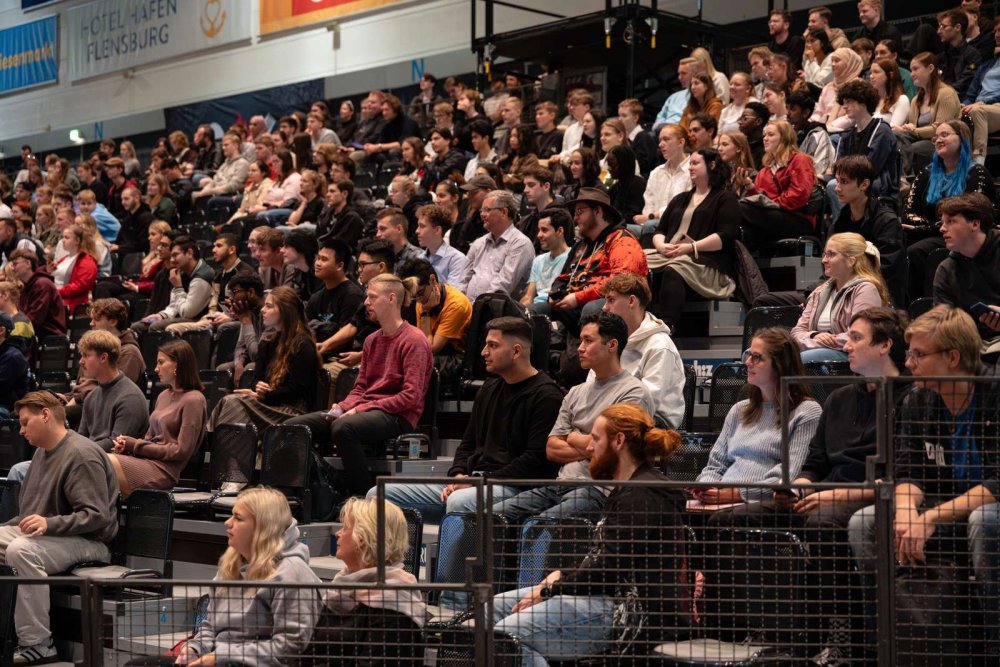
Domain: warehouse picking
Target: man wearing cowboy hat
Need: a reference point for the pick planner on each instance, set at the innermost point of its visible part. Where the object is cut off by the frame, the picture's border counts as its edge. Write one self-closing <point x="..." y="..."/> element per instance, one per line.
<point x="605" y="248"/>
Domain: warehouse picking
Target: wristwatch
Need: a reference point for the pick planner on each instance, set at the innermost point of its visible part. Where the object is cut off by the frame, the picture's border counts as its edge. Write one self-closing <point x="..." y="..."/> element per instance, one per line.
<point x="546" y="591"/>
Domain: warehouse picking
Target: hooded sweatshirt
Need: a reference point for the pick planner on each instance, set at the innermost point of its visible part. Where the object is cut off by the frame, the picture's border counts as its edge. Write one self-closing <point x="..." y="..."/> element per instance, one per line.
<point x="651" y="356"/>
<point x="857" y="295"/>
<point x="270" y="627"/>
<point x="963" y="281"/>
<point x="41" y="302"/>
<point x="407" y="602"/>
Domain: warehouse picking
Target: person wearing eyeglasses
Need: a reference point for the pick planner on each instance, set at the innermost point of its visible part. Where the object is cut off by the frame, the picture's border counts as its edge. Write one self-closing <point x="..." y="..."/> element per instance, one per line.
<point x="854" y="284"/>
<point x="500" y="260"/>
<point x="947" y="469"/>
<point x="748" y="449"/>
<point x="952" y="172"/>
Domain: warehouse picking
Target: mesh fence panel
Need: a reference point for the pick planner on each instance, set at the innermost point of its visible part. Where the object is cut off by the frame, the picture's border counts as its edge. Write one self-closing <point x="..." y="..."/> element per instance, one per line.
<point x="898" y="568"/>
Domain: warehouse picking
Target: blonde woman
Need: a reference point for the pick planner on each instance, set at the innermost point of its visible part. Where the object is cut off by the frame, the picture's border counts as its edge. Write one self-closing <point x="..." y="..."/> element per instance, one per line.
<point x="249" y="625"/>
<point x="160" y="198"/>
<point x="719" y="80"/>
<point x="785" y="180"/>
<point x="740" y="92"/>
<point x="76" y="274"/>
<point x="126" y="150"/>
<point x="258" y="184"/>
<point x="370" y="625"/>
<point x="854" y="283"/>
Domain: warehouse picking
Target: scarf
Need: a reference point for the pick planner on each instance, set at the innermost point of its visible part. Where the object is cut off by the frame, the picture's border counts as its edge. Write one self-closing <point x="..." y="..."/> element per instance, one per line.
<point x="853" y="69"/>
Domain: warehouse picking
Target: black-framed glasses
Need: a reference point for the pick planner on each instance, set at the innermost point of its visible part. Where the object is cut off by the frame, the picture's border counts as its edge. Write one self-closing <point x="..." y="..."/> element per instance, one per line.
<point x="363" y="264"/>
<point x="756" y="357"/>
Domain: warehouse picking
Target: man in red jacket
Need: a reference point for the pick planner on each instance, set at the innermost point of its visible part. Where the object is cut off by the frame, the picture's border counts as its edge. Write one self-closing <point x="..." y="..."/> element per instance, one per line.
<point x="40" y="299"/>
<point x="605" y="249"/>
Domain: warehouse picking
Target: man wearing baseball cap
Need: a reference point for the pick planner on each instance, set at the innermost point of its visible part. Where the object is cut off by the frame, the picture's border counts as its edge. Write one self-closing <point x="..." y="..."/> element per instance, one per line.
<point x="466" y="231"/>
<point x="605" y="248"/>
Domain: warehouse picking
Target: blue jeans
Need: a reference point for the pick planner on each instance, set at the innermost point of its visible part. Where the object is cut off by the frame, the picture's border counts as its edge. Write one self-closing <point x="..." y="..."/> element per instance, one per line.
<point x="426" y="498"/>
<point x="275" y="216"/>
<point x="823" y="354"/>
<point x="556" y="501"/>
<point x="648" y="227"/>
<point x="220" y="203"/>
<point x="983" y="532"/>
<point x="562" y="628"/>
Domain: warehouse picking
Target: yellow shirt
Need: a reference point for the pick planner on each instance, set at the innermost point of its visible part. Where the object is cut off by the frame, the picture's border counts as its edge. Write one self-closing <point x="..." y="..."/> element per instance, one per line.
<point x="452" y="318"/>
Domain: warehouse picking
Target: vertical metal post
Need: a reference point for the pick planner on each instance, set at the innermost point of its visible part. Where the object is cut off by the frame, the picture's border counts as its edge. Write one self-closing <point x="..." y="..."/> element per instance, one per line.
<point x="380" y="531"/>
<point x="885" y="566"/>
<point x="91" y="618"/>
<point x="783" y="407"/>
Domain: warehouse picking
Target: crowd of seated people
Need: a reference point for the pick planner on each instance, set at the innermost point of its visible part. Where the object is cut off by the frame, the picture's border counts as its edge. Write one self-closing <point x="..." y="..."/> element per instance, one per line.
<point x="607" y="225"/>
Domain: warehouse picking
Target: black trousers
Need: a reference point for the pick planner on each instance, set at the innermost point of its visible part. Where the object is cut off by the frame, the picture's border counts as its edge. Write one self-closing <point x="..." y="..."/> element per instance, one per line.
<point x="352" y="439"/>
<point x="766" y="225"/>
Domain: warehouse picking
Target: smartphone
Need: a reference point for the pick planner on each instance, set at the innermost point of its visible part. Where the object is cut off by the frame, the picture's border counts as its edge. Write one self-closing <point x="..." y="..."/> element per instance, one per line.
<point x="979" y="309"/>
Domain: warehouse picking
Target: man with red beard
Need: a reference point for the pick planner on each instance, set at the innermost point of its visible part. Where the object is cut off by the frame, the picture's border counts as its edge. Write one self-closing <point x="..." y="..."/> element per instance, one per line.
<point x="638" y="546"/>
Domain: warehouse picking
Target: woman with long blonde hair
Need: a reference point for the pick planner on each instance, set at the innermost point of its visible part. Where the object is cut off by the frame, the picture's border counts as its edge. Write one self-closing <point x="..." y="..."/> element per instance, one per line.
<point x="854" y="283"/>
<point x="126" y="150"/>
<point x="160" y="198"/>
<point x="719" y="80"/>
<point x="76" y="273"/>
<point x="286" y="369"/>
<point x="250" y="625"/>
<point x="780" y="193"/>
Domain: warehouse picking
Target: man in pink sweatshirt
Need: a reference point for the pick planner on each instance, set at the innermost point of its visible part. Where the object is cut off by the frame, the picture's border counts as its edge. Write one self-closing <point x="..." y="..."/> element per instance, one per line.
<point x="388" y="397"/>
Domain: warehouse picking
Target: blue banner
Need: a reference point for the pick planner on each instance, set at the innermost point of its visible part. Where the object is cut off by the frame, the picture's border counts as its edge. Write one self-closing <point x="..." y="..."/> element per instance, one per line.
<point x="29" y="55"/>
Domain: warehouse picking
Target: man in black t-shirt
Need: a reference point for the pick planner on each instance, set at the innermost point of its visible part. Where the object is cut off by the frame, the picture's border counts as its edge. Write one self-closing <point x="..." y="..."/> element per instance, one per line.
<point x="333" y="306"/>
<point x="376" y="257"/>
<point x="783" y="41"/>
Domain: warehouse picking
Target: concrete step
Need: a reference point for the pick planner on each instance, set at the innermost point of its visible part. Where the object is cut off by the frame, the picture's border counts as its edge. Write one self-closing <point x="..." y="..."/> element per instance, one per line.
<point x="711" y="318"/>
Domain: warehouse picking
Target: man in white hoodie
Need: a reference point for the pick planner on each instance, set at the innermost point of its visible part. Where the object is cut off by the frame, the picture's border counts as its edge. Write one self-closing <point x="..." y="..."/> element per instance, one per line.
<point x="650" y="354"/>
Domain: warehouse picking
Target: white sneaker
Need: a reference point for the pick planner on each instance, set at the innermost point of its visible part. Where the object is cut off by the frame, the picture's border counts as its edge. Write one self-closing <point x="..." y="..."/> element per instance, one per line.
<point x="39" y="654"/>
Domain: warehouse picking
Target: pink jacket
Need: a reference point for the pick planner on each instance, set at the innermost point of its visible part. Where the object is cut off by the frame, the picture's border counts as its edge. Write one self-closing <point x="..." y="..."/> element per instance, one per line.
<point x="856" y="295"/>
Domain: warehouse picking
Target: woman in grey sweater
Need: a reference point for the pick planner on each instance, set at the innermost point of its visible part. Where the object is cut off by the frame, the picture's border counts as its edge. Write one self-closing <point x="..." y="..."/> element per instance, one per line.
<point x="256" y="627"/>
<point x="748" y="450"/>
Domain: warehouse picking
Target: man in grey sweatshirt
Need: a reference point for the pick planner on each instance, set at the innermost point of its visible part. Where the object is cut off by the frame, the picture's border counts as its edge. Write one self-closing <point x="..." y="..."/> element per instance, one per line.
<point x="68" y="515"/>
<point x="116" y="407"/>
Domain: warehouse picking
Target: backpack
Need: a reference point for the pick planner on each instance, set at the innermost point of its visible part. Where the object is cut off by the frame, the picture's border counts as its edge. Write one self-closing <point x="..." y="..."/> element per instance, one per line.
<point x="750" y="284"/>
<point x="328" y="487"/>
<point x="485" y="308"/>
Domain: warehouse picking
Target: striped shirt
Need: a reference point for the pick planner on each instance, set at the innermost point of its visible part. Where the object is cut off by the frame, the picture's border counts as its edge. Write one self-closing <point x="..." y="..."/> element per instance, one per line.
<point x="752" y="452"/>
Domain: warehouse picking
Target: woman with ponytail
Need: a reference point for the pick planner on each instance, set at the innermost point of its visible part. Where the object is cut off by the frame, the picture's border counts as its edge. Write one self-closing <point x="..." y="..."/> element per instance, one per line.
<point x="855" y="283"/>
<point x="285" y="372"/>
<point x="639" y="548"/>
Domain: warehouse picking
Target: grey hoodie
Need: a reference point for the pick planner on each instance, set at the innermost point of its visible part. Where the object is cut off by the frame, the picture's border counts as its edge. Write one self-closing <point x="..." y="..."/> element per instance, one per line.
<point x="274" y="625"/>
